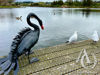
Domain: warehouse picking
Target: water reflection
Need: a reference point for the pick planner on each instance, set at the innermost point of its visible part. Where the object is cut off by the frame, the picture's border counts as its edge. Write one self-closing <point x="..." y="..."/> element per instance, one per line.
<point x="69" y="11"/>
<point x="86" y="12"/>
<point x="59" y="23"/>
<point x="7" y="29"/>
<point x="6" y="13"/>
<point x="58" y="12"/>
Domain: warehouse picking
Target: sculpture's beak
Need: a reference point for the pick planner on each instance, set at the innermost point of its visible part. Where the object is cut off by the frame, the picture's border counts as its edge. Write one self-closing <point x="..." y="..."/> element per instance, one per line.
<point x="42" y="27"/>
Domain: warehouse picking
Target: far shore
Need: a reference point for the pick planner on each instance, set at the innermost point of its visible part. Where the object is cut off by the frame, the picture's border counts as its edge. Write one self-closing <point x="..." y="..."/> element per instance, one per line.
<point x="9" y="7"/>
<point x="46" y="6"/>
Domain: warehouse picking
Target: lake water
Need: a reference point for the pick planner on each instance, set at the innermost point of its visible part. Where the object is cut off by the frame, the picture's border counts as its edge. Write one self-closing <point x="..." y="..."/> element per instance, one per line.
<point x="59" y="23"/>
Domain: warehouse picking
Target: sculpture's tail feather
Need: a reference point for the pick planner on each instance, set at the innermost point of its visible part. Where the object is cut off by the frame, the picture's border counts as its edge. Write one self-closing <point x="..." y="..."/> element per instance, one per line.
<point x="17" y="39"/>
<point x="16" y="68"/>
<point x="2" y="60"/>
<point x="4" y="66"/>
<point x="7" y="66"/>
<point x="6" y="72"/>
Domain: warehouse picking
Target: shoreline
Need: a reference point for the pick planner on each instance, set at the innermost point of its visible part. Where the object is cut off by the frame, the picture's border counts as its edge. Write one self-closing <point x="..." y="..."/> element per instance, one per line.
<point x="55" y="46"/>
<point x="1" y="7"/>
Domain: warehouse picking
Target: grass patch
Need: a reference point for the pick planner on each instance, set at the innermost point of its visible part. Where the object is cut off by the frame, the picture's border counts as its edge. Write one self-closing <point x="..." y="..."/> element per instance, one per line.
<point x="9" y="6"/>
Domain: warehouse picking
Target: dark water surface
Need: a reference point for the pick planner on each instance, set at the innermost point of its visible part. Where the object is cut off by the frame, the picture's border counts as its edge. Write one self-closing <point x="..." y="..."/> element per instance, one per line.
<point x="59" y="23"/>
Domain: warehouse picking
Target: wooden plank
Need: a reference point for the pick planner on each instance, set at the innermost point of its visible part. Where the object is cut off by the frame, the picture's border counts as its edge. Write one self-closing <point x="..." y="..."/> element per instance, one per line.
<point x="63" y="69"/>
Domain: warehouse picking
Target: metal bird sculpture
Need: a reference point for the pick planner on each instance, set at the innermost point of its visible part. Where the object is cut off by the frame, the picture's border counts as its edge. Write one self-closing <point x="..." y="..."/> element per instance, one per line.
<point x="21" y="44"/>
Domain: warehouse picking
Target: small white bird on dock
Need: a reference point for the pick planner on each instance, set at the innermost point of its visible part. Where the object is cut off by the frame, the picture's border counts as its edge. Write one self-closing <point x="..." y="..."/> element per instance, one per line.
<point x="73" y="38"/>
<point x="95" y="36"/>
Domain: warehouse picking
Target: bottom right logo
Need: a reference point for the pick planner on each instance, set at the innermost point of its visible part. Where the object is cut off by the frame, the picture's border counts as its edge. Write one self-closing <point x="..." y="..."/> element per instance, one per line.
<point x="83" y="56"/>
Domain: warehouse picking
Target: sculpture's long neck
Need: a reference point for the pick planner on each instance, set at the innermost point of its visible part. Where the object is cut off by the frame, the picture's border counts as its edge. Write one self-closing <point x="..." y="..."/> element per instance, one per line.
<point x="32" y="24"/>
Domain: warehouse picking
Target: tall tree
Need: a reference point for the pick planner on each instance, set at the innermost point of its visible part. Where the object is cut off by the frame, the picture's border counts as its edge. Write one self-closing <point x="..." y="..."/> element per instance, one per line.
<point x="60" y="2"/>
<point x="87" y="2"/>
<point x="70" y="2"/>
<point x="10" y="1"/>
<point x="76" y="0"/>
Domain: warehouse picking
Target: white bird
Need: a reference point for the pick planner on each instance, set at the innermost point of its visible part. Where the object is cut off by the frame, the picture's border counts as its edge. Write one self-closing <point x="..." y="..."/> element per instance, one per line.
<point x="95" y="36"/>
<point x="73" y="38"/>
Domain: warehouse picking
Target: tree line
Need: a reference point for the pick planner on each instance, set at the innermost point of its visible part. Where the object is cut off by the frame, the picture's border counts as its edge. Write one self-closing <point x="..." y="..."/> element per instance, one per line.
<point x="55" y="3"/>
<point x="75" y="2"/>
<point x="6" y="2"/>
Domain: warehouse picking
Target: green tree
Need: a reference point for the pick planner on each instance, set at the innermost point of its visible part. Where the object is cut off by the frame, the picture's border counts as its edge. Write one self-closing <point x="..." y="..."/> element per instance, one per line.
<point x="70" y="2"/>
<point x="57" y="3"/>
<point x="76" y="0"/>
<point x="54" y="3"/>
<point x="87" y="2"/>
<point x="10" y="1"/>
<point x="60" y="2"/>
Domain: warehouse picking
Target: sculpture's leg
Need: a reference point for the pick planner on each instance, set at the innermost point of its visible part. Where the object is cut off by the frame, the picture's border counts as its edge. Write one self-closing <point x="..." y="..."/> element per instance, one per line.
<point x="32" y="60"/>
<point x="28" y="56"/>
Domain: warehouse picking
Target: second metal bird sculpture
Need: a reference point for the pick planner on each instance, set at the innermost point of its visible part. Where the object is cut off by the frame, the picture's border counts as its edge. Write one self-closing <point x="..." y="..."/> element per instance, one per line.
<point x="21" y="44"/>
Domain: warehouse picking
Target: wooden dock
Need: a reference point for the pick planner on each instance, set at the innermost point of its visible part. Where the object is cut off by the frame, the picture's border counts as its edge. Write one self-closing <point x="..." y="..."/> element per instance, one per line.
<point x="61" y="60"/>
